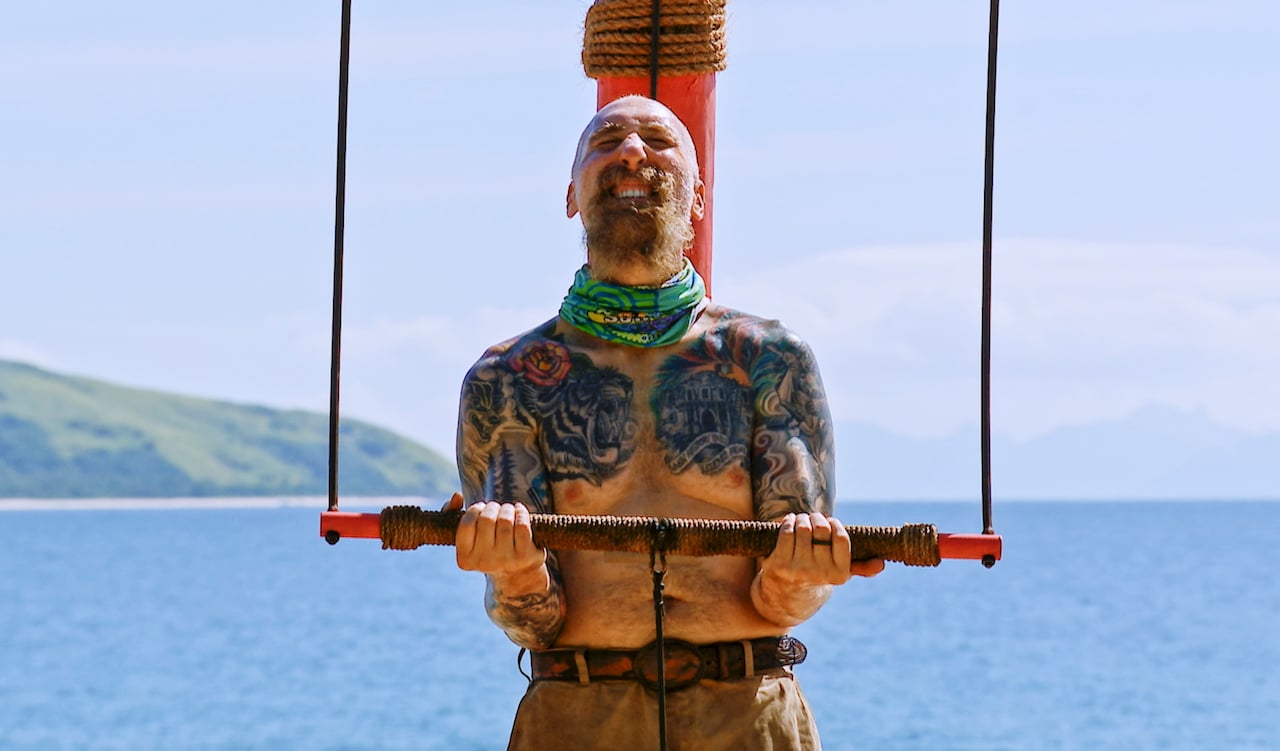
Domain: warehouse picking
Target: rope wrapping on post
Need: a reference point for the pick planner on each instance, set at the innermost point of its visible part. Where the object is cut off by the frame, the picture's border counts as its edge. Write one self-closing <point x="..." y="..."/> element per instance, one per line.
<point x="410" y="527"/>
<point x="618" y="40"/>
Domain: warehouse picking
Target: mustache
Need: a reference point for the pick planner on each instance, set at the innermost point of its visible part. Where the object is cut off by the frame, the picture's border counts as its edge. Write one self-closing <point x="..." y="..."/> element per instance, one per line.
<point x="660" y="182"/>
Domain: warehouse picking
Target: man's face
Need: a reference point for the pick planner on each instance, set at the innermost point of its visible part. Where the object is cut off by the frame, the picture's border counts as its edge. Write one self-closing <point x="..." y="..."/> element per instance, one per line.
<point x="635" y="182"/>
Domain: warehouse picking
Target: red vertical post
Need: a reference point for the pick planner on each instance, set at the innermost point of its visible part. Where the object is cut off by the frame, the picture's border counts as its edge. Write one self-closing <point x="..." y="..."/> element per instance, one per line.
<point x="693" y="99"/>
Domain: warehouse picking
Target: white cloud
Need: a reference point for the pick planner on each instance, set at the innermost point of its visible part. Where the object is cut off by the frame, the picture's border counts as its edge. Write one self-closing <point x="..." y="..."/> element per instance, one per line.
<point x="1080" y="331"/>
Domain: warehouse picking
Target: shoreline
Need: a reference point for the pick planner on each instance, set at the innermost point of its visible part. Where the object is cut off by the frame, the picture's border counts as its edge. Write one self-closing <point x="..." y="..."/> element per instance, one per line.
<point x="318" y="503"/>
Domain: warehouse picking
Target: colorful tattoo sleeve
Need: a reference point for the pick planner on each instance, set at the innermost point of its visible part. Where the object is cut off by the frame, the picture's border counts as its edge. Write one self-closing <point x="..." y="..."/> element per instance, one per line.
<point x="792" y="449"/>
<point x="499" y="459"/>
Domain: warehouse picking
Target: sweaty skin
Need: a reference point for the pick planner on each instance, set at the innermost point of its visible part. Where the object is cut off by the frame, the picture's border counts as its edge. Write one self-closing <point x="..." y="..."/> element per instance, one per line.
<point x="731" y="422"/>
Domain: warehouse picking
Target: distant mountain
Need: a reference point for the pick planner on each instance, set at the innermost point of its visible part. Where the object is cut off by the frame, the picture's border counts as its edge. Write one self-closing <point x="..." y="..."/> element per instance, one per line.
<point x="1154" y="453"/>
<point x="69" y="437"/>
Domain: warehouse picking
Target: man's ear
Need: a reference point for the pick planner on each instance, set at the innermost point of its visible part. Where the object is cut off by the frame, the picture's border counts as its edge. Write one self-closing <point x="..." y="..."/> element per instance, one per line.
<point x="699" y="200"/>
<point x="571" y="202"/>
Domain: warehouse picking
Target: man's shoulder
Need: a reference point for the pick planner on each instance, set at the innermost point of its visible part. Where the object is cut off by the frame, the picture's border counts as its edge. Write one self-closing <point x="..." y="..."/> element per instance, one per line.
<point x="506" y="354"/>
<point x="734" y="324"/>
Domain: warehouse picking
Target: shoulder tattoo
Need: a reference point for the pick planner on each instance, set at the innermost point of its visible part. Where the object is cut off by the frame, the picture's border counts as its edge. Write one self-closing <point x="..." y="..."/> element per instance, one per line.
<point x="576" y="416"/>
<point x="793" y="455"/>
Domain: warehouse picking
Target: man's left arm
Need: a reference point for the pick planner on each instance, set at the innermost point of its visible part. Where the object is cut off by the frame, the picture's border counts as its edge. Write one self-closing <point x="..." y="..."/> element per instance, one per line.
<point x="793" y="480"/>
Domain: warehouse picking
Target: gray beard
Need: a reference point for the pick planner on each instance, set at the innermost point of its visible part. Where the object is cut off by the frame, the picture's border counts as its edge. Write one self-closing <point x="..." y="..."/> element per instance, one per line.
<point x="660" y="246"/>
<point x="656" y="236"/>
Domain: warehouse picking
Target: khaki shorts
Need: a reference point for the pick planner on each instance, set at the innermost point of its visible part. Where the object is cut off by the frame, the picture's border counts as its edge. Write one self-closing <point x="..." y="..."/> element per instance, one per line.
<point x="766" y="712"/>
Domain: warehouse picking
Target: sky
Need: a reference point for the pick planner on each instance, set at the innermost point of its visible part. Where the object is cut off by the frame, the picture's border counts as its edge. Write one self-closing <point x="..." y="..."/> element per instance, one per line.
<point x="167" y="202"/>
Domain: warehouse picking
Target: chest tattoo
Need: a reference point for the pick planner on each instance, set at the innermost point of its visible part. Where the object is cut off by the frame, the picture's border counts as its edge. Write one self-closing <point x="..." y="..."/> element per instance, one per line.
<point x="703" y="415"/>
<point x="583" y="412"/>
<point x="587" y="428"/>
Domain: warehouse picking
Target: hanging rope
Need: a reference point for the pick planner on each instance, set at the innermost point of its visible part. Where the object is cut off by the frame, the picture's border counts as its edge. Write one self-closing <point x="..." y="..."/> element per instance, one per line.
<point x="988" y="191"/>
<point x="339" y="214"/>
<point x="633" y="38"/>
<point x="659" y="540"/>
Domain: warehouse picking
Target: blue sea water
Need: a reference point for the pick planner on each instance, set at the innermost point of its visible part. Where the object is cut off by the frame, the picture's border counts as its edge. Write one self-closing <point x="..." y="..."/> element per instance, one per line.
<point x="1120" y="626"/>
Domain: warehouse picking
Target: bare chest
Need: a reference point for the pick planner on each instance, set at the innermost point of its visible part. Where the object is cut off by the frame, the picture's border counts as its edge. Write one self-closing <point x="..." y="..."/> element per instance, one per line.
<point x="649" y="436"/>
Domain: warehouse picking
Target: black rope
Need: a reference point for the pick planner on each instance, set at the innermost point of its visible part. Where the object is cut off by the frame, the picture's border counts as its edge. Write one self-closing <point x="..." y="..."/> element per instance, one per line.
<point x="987" y="193"/>
<point x="654" y="32"/>
<point x="339" y="211"/>
<point x="658" y="565"/>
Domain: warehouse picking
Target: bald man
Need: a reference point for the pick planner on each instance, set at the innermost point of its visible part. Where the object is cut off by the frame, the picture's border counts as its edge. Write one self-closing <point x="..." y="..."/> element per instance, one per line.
<point x="644" y="398"/>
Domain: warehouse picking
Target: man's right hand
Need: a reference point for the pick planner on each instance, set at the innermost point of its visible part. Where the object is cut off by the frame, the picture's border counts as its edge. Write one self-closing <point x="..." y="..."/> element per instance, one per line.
<point x="497" y="539"/>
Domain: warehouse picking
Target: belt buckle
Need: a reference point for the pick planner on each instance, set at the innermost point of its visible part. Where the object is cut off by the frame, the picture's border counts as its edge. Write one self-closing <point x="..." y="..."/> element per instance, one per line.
<point x="683" y="663"/>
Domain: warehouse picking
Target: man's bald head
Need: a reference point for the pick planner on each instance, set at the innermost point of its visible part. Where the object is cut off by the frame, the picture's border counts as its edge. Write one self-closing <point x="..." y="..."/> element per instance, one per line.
<point x="645" y="111"/>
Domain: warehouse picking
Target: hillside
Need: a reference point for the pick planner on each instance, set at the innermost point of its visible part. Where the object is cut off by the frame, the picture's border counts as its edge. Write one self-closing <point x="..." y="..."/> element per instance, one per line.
<point x="70" y="437"/>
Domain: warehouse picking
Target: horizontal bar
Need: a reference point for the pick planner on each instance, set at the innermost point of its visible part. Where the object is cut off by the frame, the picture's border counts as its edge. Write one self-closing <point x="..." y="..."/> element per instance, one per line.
<point x="335" y="525"/>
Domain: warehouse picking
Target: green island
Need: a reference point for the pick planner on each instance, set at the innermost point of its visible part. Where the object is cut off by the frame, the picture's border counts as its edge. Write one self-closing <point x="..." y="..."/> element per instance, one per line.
<point x="64" y="436"/>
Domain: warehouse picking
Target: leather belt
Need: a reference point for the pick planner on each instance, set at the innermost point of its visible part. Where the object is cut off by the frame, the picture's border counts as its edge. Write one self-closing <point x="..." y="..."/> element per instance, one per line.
<point x="686" y="663"/>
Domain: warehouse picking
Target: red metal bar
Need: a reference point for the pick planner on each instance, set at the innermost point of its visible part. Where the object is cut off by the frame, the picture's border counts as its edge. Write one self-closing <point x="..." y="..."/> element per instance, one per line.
<point x="969" y="547"/>
<point x="348" y="524"/>
<point x="693" y="99"/>
<point x="368" y="526"/>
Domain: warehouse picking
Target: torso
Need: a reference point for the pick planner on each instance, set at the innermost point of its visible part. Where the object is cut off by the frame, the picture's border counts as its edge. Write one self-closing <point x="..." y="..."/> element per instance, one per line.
<point x="671" y="432"/>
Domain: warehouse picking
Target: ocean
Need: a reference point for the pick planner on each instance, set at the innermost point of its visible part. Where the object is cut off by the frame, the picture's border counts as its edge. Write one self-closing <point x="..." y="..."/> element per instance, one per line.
<point x="1126" y="626"/>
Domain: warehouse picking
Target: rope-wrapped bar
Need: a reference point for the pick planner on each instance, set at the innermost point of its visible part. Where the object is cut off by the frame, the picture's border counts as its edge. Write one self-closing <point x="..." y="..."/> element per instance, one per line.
<point x="409" y="527"/>
<point x="618" y="38"/>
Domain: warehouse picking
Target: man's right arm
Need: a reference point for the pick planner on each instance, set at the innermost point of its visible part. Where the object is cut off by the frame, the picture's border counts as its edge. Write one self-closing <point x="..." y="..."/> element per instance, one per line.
<point x="503" y="477"/>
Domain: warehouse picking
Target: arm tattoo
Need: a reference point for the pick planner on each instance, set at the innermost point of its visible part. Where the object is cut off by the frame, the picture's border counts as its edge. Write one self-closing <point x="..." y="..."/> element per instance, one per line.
<point x="499" y="459"/>
<point x="532" y="621"/>
<point x="793" y="456"/>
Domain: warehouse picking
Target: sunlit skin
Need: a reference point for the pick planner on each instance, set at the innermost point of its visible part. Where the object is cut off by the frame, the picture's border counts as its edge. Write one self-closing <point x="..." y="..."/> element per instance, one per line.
<point x="773" y="460"/>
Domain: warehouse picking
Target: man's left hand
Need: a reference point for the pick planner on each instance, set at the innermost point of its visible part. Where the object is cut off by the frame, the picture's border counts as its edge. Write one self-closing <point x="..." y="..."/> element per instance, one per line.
<point x="814" y="550"/>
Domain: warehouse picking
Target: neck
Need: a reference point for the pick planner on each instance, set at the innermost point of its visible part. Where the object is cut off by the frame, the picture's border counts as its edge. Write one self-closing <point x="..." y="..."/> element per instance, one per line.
<point x="634" y="270"/>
